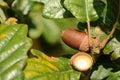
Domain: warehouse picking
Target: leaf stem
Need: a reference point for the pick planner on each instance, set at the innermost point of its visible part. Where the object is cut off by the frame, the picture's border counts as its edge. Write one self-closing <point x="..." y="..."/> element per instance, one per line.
<point x="89" y="34"/>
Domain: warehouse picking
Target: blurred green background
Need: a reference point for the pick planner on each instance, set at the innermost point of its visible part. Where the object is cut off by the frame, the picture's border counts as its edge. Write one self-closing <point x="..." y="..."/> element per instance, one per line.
<point x="45" y="32"/>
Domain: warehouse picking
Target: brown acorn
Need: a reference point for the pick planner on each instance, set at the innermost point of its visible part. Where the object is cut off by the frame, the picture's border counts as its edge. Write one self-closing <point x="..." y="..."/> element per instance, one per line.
<point x="81" y="61"/>
<point x="76" y="39"/>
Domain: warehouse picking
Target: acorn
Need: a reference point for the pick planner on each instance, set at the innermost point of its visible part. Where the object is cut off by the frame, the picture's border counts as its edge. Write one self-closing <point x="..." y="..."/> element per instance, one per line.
<point x="81" y="61"/>
<point x="76" y="39"/>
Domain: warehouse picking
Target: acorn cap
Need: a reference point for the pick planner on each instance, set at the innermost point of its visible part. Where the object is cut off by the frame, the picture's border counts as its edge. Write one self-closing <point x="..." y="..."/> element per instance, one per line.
<point x="81" y="61"/>
<point x="75" y="38"/>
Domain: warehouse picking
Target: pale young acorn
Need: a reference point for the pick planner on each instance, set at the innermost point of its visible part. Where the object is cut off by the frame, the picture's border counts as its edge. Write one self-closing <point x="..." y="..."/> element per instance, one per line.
<point x="81" y="61"/>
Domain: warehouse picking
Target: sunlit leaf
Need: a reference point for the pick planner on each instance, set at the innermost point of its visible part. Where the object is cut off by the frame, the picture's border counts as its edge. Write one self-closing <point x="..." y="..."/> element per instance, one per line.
<point x="3" y="3"/>
<point x="53" y="9"/>
<point x="23" y="6"/>
<point x="14" y="45"/>
<point x="2" y="16"/>
<point x="114" y="76"/>
<point x="42" y="1"/>
<point x="100" y="73"/>
<point x="49" y="68"/>
<point x="83" y="10"/>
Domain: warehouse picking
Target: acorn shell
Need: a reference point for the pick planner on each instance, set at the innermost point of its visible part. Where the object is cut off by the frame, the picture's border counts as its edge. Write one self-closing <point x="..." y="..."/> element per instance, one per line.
<point x="81" y="61"/>
<point x="76" y="39"/>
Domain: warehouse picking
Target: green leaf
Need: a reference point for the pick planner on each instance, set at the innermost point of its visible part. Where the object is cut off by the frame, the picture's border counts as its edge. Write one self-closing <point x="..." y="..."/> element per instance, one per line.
<point x="42" y="1"/>
<point x="36" y="20"/>
<point x="3" y="3"/>
<point x="51" y="32"/>
<point x="23" y="6"/>
<point x="46" y="27"/>
<point x="9" y="2"/>
<point x="83" y="10"/>
<point x="100" y="73"/>
<point x="14" y="45"/>
<point x="113" y="48"/>
<point x="2" y="16"/>
<point x="104" y="13"/>
<point x="114" y="76"/>
<point x="97" y="31"/>
<point x="53" y="9"/>
<point x="49" y="68"/>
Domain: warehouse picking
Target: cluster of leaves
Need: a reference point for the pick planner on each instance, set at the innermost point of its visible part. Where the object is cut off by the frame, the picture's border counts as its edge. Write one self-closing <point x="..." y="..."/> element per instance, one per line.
<point x="14" y="43"/>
